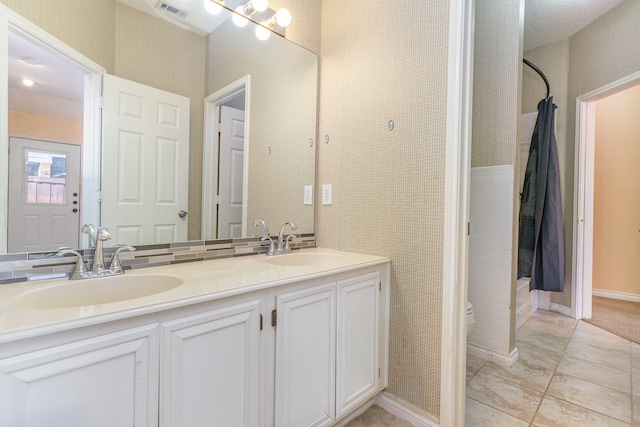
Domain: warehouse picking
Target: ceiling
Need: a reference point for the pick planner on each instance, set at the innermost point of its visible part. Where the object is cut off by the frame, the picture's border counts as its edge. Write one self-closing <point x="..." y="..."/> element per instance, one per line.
<point x="549" y="21"/>
<point x="546" y="21"/>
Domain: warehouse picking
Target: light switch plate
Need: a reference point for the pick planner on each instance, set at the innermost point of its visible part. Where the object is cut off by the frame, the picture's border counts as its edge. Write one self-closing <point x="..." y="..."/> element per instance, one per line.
<point x="308" y="195"/>
<point x="327" y="196"/>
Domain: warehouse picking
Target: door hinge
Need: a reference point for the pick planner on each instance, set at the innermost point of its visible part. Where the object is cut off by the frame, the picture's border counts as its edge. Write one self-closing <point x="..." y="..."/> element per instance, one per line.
<point x="274" y="318"/>
<point x="101" y="102"/>
<point x="468" y="229"/>
<point x="260" y="321"/>
<point x="217" y="199"/>
<point x="380" y="287"/>
<point x="379" y="373"/>
<point x="219" y="127"/>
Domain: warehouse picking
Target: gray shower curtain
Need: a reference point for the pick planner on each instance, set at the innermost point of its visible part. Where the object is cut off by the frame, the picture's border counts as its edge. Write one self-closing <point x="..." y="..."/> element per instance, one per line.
<point x="540" y="233"/>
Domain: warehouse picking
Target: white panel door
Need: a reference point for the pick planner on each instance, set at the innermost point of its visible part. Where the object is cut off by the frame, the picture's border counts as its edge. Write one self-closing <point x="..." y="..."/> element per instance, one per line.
<point x="106" y="381"/>
<point x="357" y="349"/>
<point x="231" y="172"/>
<point x="44" y="195"/>
<point x="210" y="365"/>
<point x="305" y="357"/>
<point x="145" y="175"/>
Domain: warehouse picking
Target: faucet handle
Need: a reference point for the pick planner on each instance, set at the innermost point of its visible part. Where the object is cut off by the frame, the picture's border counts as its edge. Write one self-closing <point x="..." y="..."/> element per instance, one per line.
<point x="103" y="234"/>
<point x="272" y="249"/>
<point x="116" y="267"/>
<point x="80" y="269"/>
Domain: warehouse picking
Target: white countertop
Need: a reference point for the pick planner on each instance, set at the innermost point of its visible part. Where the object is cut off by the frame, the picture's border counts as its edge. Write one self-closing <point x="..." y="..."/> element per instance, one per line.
<point x="203" y="281"/>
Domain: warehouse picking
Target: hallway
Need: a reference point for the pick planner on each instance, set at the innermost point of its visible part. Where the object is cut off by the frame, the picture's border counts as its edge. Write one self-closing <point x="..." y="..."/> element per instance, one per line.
<point x="570" y="373"/>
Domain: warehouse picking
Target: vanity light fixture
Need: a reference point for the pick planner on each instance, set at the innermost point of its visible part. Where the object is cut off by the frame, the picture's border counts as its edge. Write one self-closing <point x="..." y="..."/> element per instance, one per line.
<point x="244" y="11"/>
<point x="262" y="33"/>
<point x="281" y="18"/>
<point x="212" y="7"/>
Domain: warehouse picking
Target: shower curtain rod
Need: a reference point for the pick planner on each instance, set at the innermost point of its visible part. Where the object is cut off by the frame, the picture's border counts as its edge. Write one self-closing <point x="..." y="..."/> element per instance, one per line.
<point x="537" y="70"/>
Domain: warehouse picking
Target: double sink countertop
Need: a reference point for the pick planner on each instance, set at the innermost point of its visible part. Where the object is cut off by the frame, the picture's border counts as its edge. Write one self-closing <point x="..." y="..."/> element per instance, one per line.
<point x="37" y="307"/>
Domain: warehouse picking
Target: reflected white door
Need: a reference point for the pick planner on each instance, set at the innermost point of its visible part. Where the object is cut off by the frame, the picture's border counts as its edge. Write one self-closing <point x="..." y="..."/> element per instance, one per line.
<point x="231" y="172"/>
<point x="145" y="176"/>
<point x="44" y="195"/>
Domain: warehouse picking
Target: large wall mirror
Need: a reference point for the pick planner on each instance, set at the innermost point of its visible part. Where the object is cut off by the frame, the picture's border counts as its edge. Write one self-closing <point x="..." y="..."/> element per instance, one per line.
<point x="250" y="125"/>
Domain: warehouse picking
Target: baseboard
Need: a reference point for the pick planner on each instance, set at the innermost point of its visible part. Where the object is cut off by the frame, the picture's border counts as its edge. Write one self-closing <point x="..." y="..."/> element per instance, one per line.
<point x="562" y="309"/>
<point x="616" y="295"/>
<point x="492" y="356"/>
<point x="404" y="411"/>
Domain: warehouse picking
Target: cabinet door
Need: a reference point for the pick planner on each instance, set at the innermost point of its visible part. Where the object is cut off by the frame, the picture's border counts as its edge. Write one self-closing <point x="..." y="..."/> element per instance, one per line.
<point x="357" y="348"/>
<point x="210" y="369"/>
<point x="109" y="380"/>
<point x="305" y="357"/>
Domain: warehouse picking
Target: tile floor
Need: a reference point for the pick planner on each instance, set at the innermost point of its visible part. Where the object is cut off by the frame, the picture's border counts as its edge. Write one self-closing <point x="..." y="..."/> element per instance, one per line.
<point x="570" y="373"/>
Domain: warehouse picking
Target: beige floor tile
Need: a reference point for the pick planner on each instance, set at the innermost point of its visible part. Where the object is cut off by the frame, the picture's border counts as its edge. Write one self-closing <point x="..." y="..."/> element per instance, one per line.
<point x="596" y="373"/>
<point x="523" y="373"/>
<point x="506" y="396"/>
<point x="635" y="357"/>
<point x="480" y="415"/>
<point x="375" y="416"/>
<point x="588" y="327"/>
<point x="538" y="356"/>
<point x="550" y="321"/>
<point x="542" y="339"/>
<point x="614" y="359"/>
<point x="474" y="363"/>
<point x="559" y="413"/>
<point x="604" y="400"/>
<point x="609" y="342"/>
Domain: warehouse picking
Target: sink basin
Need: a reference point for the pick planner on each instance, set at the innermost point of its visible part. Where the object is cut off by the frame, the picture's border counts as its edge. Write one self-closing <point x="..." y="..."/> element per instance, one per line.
<point x="304" y="259"/>
<point x="102" y="290"/>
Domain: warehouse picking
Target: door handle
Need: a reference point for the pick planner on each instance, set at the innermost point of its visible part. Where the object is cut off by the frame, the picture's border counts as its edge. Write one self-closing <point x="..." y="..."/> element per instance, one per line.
<point x="182" y="214"/>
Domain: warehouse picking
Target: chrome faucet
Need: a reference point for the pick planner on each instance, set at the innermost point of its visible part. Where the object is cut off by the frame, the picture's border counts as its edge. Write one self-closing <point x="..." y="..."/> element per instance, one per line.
<point x="282" y="247"/>
<point x="80" y="270"/>
<point x="98" y="258"/>
<point x="265" y="235"/>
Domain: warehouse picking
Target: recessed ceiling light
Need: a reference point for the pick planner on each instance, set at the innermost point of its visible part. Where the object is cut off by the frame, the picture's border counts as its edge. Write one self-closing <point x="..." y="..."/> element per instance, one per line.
<point x="31" y="60"/>
<point x="28" y="82"/>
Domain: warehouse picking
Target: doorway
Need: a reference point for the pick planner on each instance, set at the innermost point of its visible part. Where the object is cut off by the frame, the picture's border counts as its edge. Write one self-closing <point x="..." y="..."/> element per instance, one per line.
<point x="584" y="191"/>
<point x="225" y="161"/>
<point x="33" y="49"/>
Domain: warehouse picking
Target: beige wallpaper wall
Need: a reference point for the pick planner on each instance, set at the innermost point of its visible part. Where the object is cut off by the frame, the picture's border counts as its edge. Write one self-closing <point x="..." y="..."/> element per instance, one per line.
<point x="496" y="102"/>
<point x="616" y="237"/>
<point x="389" y="62"/>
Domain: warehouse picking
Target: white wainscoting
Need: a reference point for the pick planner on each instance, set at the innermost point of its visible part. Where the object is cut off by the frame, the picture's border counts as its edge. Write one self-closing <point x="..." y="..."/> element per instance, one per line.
<point x="490" y="262"/>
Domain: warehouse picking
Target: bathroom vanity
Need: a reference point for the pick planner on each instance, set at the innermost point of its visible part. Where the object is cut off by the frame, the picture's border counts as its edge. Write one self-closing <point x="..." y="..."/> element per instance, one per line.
<point x="291" y="340"/>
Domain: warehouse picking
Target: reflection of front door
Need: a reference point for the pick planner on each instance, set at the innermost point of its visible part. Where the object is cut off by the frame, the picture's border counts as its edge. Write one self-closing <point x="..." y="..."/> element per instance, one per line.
<point x="145" y="168"/>
<point x="44" y="195"/>
<point x="231" y="160"/>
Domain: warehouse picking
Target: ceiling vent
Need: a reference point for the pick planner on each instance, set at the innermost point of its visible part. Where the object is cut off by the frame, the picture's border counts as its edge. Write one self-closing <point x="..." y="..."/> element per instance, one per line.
<point x="175" y="11"/>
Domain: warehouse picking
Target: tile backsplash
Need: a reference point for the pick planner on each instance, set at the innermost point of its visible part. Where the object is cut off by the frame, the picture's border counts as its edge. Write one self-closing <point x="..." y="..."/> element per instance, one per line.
<point x="26" y="266"/>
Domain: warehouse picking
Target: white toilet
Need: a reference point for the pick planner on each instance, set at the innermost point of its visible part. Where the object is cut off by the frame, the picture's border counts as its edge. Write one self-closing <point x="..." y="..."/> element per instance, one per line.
<point x="471" y="320"/>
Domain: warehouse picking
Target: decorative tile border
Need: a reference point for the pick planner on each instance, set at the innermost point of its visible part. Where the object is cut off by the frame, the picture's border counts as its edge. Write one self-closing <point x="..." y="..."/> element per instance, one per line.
<point x="43" y="265"/>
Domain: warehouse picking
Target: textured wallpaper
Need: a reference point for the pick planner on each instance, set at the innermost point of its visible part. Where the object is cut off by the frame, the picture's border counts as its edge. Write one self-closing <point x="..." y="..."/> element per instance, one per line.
<point x="383" y="63"/>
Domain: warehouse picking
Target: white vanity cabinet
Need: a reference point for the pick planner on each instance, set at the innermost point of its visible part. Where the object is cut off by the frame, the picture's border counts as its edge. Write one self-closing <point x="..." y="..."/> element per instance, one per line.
<point x="210" y="368"/>
<point x="106" y="380"/>
<point x="301" y="352"/>
<point x="329" y="349"/>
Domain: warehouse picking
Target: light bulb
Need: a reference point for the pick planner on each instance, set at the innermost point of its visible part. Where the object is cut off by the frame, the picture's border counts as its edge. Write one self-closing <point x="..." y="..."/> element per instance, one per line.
<point x="262" y="33"/>
<point x="283" y="17"/>
<point x="212" y="7"/>
<point x="238" y="18"/>
<point x="260" y="5"/>
<point x="28" y="82"/>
